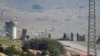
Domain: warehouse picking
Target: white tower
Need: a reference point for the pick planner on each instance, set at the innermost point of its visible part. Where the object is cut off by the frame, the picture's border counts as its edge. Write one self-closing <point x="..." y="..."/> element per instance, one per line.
<point x="11" y="29"/>
<point x="14" y="29"/>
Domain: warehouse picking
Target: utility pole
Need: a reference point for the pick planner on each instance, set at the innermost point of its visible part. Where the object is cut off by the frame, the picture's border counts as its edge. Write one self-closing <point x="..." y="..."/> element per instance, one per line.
<point x="92" y="29"/>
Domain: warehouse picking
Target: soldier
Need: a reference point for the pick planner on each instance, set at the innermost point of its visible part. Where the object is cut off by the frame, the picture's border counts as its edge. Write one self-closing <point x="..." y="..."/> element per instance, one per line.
<point x="27" y="37"/>
<point x="77" y="37"/>
<point x="49" y="35"/>
<point x="64" y="36"/>
<point x="72" y="36"/>
<point x="83" y="37"/>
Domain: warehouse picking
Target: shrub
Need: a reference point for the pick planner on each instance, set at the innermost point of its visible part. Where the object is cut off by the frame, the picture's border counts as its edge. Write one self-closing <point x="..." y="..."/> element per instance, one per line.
<point x="45" y="44"/>
<point x="10" y="51"/>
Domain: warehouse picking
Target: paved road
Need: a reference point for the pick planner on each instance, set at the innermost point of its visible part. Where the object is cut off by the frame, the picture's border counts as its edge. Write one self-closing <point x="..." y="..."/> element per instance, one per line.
<point x="80" y="45"/>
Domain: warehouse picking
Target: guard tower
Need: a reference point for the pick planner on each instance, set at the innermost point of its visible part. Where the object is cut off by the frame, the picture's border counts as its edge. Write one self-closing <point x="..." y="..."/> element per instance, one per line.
<point x="92" y="29"/>
<point x="11" y="29"/>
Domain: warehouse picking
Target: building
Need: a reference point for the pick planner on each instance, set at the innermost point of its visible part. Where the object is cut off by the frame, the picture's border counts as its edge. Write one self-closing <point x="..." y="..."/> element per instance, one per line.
<point x="11" y="29"/>
<point x="23" y="36"/>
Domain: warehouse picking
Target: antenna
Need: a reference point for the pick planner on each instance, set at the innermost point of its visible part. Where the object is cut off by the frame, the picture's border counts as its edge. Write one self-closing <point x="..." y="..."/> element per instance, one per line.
<point x="92" y="29"/>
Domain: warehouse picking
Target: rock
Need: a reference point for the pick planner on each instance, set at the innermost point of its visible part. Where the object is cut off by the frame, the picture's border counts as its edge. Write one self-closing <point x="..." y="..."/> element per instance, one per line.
<point x="34" y="52"/>
<point x="18" y="48"/>
<point x="2" y="54"/>
<point x="2" y="47"/>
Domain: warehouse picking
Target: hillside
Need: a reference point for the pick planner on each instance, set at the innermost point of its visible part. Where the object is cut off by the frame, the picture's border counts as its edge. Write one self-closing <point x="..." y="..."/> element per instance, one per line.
<point x="9" y="42"/>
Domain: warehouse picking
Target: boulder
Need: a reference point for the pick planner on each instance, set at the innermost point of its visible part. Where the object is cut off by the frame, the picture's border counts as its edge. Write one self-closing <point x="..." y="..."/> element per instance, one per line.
<point x="34" y="52"/>
<point x="2" y="54"/>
